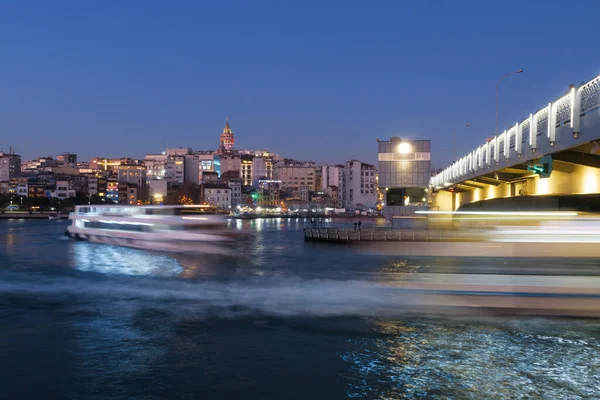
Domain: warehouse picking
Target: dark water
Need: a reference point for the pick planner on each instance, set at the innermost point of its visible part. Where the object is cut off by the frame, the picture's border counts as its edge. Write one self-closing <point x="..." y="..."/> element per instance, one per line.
<point x="284" y="320"/>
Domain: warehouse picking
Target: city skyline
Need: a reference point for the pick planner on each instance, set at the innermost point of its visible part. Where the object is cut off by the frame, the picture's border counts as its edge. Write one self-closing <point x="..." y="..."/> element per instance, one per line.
<point x="77" y="78"/>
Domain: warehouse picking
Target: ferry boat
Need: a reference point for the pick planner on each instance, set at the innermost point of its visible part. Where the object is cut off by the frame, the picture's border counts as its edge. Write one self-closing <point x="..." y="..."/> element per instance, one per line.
<point x="163" y="228"/>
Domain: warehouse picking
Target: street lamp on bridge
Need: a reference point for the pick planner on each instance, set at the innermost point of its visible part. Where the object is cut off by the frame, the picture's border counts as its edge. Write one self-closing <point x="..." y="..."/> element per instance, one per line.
<point x="454" y="143"/>
<point x="497" y="86"/>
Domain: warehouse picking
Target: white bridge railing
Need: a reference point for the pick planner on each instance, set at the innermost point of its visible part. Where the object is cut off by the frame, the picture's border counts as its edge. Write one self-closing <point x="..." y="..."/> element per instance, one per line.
<point x="537" y="132"/>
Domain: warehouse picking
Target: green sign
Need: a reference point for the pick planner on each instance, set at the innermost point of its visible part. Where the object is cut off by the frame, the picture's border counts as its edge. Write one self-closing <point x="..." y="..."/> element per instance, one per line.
<point x="543" y="168"/>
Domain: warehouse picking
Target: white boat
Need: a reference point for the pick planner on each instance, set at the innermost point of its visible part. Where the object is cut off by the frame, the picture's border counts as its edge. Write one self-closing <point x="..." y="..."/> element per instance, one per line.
<point x="162" y="228"/>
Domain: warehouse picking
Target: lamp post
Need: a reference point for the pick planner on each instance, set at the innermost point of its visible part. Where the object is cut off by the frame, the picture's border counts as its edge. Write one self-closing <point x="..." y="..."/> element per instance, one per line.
<point x="497" y="87"/>
<point x="454" y="143"/>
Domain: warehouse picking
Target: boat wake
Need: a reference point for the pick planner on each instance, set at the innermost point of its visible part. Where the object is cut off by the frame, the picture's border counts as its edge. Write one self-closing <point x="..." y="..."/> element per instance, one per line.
<point x="278" y="297"/>
<point x="447" y="294"/>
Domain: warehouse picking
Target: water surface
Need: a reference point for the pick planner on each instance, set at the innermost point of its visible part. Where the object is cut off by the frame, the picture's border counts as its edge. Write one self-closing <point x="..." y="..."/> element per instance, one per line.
<point x="285" y="319"/>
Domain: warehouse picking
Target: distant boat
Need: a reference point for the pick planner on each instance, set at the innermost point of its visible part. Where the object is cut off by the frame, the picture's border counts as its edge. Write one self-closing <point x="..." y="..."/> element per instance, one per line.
<point x="244" y="216"/>
<point x="53" y="217"/>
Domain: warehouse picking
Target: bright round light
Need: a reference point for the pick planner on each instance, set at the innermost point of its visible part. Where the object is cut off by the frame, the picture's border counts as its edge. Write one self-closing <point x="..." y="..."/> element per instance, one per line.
<point x="404" y="148"/>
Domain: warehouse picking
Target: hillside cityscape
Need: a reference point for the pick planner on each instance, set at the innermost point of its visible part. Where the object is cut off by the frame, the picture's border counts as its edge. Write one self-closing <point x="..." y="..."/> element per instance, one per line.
<point x="226" y="178"/>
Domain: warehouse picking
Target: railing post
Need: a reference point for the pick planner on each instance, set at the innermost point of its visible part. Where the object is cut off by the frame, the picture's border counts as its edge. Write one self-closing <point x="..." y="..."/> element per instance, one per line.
<point x="552" y="123"/>
<point x="575" y="111"/>
<point x="533" y="132"/>
<point x="518" y="138"/>
<point x="496" y="150"/>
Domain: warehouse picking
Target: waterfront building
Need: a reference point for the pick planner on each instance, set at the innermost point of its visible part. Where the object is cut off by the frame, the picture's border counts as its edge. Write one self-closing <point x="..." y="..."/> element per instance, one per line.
<point x="332" y="182"/>
<point x="169" y="167"/>
<point x="236" y="190"/>
<point x="404" y="171"/>
<point x="175" y="169"/>
<point x="360" y="185"/>
<point x="63" y="190"/>
<point x="10" y="166"/>
<point x="246" y="170"/>
<point x="333" y="196"/>
<point x="133" y="174"/>
<point x="304" y="192"/>
<point x="92" y="184"/>
<point x="23" y="188"/>
<point x="208" y="161"/>
<point x="268" y="190"/>
<point x="404" y="174"/>
<point x="36" y="188"/>
<point x="102" y="183"/>
<point x="155" y="166"/>
<point x="295" y="176"/>
<point x="112" y="190"/>
<point x="191" y="169"/>
<point x="158" y="191"/>
<point x="318" y="178"/>
<point x="262" y="169"/>
<point x="216" y="194"/>
<point x="79" y="183"/>
<point x="129" y="193"/>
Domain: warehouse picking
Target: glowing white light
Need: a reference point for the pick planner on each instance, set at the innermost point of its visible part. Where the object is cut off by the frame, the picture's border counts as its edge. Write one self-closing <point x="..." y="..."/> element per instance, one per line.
<point x="404" y="148"/>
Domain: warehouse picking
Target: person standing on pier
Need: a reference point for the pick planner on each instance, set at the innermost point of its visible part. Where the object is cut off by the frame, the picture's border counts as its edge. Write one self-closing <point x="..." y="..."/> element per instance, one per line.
<point x="355" y="225"/>
<point x="359" y="224"/>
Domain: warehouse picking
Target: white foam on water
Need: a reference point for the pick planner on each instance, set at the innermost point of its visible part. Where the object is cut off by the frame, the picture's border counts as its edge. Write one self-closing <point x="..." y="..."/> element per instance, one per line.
<point x="276" y="296"/>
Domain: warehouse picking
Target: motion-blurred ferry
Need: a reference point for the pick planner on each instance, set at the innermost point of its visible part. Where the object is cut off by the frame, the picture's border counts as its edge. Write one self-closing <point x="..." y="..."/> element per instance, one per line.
<point x="162" y="228"/>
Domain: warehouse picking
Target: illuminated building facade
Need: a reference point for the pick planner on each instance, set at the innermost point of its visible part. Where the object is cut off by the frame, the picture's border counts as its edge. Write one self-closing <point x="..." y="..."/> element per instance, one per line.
<point x="112" y="191"/>
<point x="295" y="176"/>
<point x="404" y="171"/>
<point x="246" y="170"/>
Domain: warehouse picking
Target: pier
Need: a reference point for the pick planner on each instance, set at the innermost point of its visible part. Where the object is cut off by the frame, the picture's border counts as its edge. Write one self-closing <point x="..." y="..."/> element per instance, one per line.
<point x="27" y="215"/>
<point x="377" y="235"/>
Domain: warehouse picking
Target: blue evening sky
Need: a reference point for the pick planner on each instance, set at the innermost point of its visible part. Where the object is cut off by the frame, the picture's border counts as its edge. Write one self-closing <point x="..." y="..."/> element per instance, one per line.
<point x="316" y="80"/>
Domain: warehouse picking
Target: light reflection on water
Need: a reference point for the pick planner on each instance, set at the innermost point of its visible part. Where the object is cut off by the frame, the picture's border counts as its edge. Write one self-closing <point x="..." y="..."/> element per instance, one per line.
<point x="109" y="259"/>
<point x="475" y="360"/>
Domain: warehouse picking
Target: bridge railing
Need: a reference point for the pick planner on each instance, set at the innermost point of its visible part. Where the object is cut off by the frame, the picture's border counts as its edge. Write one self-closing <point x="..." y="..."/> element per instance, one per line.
<point x="539" y="130"/>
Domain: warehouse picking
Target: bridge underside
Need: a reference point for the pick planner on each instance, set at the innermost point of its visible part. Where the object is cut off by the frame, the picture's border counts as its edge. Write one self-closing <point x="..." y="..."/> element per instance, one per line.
<point x="575" y="178"/>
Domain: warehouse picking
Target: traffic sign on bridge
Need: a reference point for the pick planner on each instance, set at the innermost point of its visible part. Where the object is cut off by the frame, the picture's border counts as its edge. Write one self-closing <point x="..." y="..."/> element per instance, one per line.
<point x="543" y="168"/>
